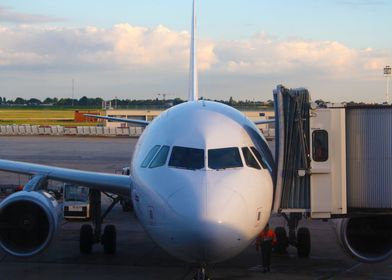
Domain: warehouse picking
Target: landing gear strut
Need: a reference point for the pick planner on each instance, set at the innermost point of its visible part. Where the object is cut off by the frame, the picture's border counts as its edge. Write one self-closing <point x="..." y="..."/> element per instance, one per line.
<point x="89" y="235"/>
<point x="298" y="238"/>
<point x="201" y="274"/>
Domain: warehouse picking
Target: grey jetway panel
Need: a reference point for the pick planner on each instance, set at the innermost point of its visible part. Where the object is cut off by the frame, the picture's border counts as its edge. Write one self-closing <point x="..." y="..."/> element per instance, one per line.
<point x="369" y="157"/>
<point x="292" y="191"/>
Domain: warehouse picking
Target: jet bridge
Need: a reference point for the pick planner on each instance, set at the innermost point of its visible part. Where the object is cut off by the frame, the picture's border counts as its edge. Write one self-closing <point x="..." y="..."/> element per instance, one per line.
<point x="334" y="161"/>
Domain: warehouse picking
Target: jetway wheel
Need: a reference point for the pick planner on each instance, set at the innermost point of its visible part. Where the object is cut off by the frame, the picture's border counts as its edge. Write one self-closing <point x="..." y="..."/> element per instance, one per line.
<point x="86" y="239"/>
<point x="109" y="239"/>
<point x="303" y="242"/>
<point x="282" y="240"/>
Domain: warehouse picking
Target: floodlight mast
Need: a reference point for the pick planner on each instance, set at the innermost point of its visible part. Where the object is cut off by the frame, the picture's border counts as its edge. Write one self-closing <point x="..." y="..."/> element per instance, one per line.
<point x="388" y="75"/>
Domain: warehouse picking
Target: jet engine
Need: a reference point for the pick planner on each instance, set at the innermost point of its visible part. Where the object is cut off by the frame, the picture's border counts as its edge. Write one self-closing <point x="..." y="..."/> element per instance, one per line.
<point x="367" y="239"/>
<point x="28" y="222"/>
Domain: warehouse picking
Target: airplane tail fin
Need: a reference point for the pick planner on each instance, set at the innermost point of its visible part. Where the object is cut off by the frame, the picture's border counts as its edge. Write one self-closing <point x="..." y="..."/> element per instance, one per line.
<point x="193" y="94"/>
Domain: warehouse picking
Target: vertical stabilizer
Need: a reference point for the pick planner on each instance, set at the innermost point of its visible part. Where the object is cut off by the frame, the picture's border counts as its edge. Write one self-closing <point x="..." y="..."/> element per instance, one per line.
<point x="193" y="94"/>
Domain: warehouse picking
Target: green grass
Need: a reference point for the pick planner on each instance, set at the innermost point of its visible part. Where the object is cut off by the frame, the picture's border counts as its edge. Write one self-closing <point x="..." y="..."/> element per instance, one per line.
<point x="39" y="117"/>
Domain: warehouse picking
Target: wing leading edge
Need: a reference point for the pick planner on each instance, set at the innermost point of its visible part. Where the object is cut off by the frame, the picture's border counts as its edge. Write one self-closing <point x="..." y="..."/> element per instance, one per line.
<point x="133" y="121"/>
<point x="118" y="184"/>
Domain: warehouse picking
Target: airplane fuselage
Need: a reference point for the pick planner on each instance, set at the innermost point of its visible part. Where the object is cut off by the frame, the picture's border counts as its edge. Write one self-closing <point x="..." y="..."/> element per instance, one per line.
<point x="193" y="190"/>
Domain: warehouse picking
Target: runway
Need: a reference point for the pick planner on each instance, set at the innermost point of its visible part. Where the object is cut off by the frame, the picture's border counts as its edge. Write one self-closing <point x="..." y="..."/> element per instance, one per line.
<point x="140" y="258"/>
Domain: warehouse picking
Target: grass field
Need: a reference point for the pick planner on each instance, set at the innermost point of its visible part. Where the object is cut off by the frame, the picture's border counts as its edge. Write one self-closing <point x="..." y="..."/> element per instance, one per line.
<point x="39" y="117"/>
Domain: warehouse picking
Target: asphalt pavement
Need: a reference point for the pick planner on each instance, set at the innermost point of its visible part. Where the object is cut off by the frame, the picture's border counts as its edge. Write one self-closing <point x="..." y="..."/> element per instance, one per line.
<point x="138" y="257"/>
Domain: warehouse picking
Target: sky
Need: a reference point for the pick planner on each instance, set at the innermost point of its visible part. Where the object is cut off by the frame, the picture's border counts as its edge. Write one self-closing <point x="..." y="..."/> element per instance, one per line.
<point x="134" y="49"/>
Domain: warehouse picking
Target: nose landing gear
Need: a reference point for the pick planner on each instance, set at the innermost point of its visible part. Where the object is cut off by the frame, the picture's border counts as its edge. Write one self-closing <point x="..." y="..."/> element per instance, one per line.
<point x="201" y="274"/>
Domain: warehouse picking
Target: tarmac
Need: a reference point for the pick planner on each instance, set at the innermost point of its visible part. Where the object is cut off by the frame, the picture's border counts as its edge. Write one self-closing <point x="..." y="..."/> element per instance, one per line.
<point x="138" y="257"/>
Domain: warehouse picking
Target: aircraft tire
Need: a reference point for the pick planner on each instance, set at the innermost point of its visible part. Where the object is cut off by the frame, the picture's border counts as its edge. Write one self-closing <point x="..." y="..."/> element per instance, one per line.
<point x="282" y="240"/>
<point x="86" y="239"/>
<point x="109" y="239"/>
<point x="303" y="242"/>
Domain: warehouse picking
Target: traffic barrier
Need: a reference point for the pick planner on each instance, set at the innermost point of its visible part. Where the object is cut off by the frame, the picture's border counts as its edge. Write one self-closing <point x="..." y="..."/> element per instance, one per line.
<point x="28" y="129"/>
<point x="34" y="129"/>
<point x="54" y="130"/>
<point x="22" y="130"/>
<point x="9" y="130"/>
<point x="57" y="130"/>
<point x="15" y="130"/>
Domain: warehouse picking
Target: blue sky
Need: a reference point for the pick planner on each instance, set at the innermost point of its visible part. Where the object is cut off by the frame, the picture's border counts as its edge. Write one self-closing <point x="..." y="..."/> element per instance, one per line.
<point x="357" y="23"/>
<point x="334" y="47"/>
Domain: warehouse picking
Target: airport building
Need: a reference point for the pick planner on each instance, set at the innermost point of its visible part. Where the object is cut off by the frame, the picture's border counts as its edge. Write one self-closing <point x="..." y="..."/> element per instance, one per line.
<point x="149" y="115"/>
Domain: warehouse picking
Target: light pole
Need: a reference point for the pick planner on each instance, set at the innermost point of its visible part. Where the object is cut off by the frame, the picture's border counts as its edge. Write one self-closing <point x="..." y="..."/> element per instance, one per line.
<point x="73" y="91"/>
<point x="387" y="74"/>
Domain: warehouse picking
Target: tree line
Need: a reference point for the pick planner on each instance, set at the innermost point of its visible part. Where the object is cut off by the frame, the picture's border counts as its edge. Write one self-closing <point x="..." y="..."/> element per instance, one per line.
<point x="119" y="103"/>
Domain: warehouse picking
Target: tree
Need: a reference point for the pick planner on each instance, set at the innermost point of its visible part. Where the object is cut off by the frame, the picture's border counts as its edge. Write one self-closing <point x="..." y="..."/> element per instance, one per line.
<point x="20" y="100"/>
<point x="48" y="100"/>
<point x="83" y="101"/>
<point x="34" y="101"/>
<point x="64" y="102"/>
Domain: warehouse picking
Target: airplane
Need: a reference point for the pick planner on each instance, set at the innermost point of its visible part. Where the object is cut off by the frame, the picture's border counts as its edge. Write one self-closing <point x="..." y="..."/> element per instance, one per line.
<point x="201" y="183"/>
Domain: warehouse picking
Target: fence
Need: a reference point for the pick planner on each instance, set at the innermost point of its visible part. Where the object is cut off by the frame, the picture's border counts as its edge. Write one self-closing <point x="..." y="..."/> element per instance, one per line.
<point x="8" y="130"/>
<point x="69" y="130"/>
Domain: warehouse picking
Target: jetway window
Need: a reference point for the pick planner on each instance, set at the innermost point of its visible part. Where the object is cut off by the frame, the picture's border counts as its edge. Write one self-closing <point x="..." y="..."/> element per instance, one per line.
<point x="249" y="158"/>
<point x="259" y="157"/>
<point x="320" y="145"/>
<point x="150" y="155"/>
<point x="160" y="158"/>
<point x="224" y="158"/>
<point x="187" y="158"/>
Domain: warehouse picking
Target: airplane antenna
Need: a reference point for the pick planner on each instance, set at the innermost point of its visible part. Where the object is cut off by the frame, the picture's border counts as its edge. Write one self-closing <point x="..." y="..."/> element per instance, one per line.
<point x="193" y="77"/>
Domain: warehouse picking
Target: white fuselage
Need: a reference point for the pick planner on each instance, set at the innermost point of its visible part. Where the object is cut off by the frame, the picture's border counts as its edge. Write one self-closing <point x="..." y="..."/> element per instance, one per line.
<point x="205" y="215"/>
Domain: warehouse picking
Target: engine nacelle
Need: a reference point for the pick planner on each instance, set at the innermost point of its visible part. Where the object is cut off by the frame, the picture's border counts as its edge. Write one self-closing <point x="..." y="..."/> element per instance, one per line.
<point x="367" y="239"/>
<point x="28" y="222"/>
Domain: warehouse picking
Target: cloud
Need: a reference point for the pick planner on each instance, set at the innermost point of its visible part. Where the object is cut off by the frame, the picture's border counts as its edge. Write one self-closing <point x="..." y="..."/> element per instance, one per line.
<point x="124" y="46"/>
<point x="10" y="16"/>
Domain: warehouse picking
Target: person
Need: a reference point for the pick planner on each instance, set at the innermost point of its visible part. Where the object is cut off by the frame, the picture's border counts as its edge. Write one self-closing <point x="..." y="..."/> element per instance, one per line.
<point x="265" y="240"/>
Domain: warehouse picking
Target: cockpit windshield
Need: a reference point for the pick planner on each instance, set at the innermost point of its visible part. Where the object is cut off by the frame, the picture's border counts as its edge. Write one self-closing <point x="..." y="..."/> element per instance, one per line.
<point x="150" y="156"/>
<point x="249" y="159"/>
<point x="224" y="158"/>
<point x="187" y="158"/>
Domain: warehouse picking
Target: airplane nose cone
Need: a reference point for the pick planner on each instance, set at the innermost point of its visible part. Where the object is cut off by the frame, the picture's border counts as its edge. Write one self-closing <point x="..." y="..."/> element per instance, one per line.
<point x="211" y="224"/>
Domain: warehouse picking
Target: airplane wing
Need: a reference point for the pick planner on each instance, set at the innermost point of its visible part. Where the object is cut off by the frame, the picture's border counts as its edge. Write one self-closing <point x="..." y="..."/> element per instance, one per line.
<point x="264" y="121"/>
<point x="118" y="184"/>
<point x="138" y="122"/>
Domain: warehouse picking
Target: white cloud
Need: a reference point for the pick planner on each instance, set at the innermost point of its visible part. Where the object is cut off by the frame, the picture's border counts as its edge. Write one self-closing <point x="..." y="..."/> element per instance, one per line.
<point x="124" y="45"/>
<point x="155" y="58"/>
<point x="23" y="58"/>
<point x="8" y="15"/>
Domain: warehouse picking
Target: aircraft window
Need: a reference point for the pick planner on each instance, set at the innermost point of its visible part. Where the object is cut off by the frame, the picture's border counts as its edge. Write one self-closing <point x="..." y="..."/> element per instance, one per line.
<point x="224" y="158"/>
<point x="320" y="145"/>
<point x="150" y="155"/>
<point x="187" y="158"/>
<point x="249" y="158"/>
<point x="259" y="157"/>
<point x="160" y="158"/>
